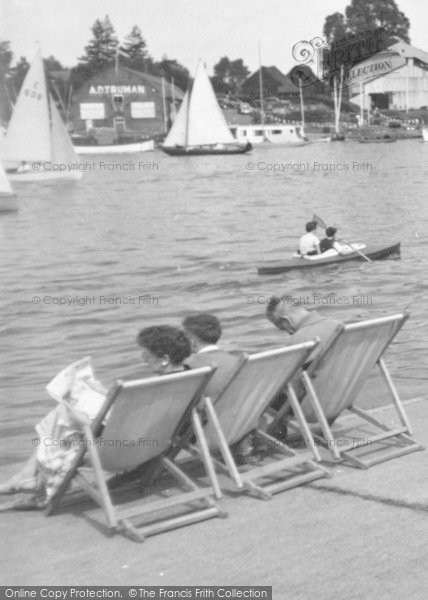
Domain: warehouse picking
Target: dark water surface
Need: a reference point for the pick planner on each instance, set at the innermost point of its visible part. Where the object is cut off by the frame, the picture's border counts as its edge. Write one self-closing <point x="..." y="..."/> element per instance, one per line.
<point x="188" y="236"/>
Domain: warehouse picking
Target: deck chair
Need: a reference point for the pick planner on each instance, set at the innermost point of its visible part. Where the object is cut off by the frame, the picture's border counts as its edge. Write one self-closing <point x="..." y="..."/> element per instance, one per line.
<point x="335" y="379"/>
<point x="144" y="425"/>
<point x="237" y="412"/>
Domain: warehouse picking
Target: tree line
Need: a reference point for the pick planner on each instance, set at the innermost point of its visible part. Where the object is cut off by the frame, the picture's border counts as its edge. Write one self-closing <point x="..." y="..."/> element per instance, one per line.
<point x="229" y="75"/>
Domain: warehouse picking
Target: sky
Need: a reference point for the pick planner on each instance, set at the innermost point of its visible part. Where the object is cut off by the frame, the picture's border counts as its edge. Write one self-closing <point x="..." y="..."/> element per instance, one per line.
<point x="183" y="29"/>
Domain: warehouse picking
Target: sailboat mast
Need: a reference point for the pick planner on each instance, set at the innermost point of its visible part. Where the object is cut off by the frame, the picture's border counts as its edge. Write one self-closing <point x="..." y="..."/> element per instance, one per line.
<point x="262" y="115"/>
<point x="302" y="109"/>
<point x="164" y="104"/>
<point x="186" y="139"/>
<point x="173" y="97"/>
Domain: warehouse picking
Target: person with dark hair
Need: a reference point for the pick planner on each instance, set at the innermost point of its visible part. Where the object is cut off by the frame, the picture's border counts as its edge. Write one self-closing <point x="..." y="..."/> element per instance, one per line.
<point x="309" y="244"/>
<point x="164" y="350"/>
<point x="328" y="243"/>
<point x="204" y="326"/>
<point x="204" y="331"/>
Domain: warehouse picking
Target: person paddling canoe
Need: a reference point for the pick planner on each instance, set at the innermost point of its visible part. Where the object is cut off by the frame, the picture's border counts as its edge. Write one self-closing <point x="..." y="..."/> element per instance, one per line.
<point x="330" y="243"/>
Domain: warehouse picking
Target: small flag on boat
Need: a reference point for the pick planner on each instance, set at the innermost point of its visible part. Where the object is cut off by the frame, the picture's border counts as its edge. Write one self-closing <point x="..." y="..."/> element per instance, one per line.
<point x="320" y="222"/>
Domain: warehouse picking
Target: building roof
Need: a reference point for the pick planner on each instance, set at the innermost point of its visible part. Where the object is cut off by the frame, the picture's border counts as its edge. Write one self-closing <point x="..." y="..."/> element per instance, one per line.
<point x="409" y="51"/>
<point x="272" y="78"/>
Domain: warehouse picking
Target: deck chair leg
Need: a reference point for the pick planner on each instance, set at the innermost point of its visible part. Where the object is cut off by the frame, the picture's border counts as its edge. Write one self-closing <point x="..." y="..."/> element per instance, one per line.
<point x="401" y="435"/>
<point x="223" y="445"/>
<point x="205" y="452"/>
<point x="304" y="428"/>
<point x="394" y="395"/>
<point x="99" y="477"/>
<point x="328" y="435"/>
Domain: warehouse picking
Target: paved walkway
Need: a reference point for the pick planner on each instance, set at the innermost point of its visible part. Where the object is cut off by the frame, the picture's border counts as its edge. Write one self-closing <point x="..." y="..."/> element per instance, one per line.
<point x="360" y="535"/>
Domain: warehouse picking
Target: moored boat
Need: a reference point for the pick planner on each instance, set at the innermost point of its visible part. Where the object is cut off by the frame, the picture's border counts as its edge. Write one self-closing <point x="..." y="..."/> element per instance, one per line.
<point x="86" y="144"/>
<point x="285" y="135"/>
<point x="373" y="252"/>
<point x="377" y="140"/>
<point x="8" y="201"/>
<point x="200" y="127"/>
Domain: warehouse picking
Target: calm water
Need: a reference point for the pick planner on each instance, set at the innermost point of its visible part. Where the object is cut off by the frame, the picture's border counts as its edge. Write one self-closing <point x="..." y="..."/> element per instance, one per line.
<point x="188" y="236"/>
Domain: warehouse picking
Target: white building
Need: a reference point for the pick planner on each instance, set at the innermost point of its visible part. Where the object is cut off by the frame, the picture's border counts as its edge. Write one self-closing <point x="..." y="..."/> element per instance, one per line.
<point x="401" y="88"/>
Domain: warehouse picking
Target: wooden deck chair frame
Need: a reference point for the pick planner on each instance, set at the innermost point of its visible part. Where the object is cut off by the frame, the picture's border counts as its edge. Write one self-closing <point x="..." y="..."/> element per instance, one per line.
<point x="307" y="469"/>
<point x="401" y="435"/>
<point x="119" y="519"/>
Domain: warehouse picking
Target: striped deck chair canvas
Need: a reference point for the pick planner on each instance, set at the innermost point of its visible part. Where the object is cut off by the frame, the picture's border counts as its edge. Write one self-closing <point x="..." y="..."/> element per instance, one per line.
<point x="237" y="412"/>
<point x="145" y="420"/>
<point x="335" y="380"/>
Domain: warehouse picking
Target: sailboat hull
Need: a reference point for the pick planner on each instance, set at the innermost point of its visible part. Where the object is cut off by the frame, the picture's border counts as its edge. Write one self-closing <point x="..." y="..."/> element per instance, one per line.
<point x="207" y="149"/>
<point x="34" y="176"/>
<point x="8" y="203"/>
<point x="145" y="146"/>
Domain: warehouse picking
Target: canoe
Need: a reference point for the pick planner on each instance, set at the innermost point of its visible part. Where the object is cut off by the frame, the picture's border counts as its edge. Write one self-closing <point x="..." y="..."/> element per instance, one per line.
<point x="374" y="252"/>
<point x="208" y="149"/>
<point x="377" y="140"/>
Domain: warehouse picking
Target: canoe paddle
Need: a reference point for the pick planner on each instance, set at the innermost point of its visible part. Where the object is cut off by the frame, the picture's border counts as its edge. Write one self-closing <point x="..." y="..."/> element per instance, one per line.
<point x="322" y="224"/>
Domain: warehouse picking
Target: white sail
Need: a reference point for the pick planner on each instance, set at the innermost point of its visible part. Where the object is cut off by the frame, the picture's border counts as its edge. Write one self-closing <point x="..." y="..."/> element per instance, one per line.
<point x="207" y="124"/>
<point x="62" y="147"/>
<point x="28" y="134"/>
<point x="5" y="187"/>
<point x="177" y="133"/>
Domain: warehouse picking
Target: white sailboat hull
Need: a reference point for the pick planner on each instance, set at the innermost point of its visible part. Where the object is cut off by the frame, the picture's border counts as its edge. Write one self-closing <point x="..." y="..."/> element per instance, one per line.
<point x="285" y="135"/>
<point x="132" y="148"/>
<point x="44" y="175"/>
<point x="8" y="203"/>
<point x="208" y="149"/>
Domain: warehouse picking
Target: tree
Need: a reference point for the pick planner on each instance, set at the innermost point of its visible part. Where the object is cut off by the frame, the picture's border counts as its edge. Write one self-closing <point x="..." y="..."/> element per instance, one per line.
<point x="52" y="64"/>
<point x="101" y="50"/>
<point x="367" y="15"/>
<point x="171" y="70"/>
<point x="136" y="49"/>
<point x="18" y="73"/>
<point x="5" y="100"/>
<point x="5" y="60"/>
<point x="334" y="27"/>
<point x="229" y="75"/>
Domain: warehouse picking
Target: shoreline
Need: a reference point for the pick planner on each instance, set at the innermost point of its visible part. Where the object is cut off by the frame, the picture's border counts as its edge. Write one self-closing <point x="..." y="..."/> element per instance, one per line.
<point x="350" y="535"/>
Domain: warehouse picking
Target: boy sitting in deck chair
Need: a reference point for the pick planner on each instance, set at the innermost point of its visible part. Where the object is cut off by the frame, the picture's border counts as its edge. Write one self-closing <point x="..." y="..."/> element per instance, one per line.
<point x="204" y="331"/>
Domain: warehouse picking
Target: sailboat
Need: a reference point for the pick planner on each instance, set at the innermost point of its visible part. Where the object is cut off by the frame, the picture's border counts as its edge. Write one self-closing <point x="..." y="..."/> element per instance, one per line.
<point x="37" y="145"/>
<point x="8" y="201"/>
<point x="200" y="126"/>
